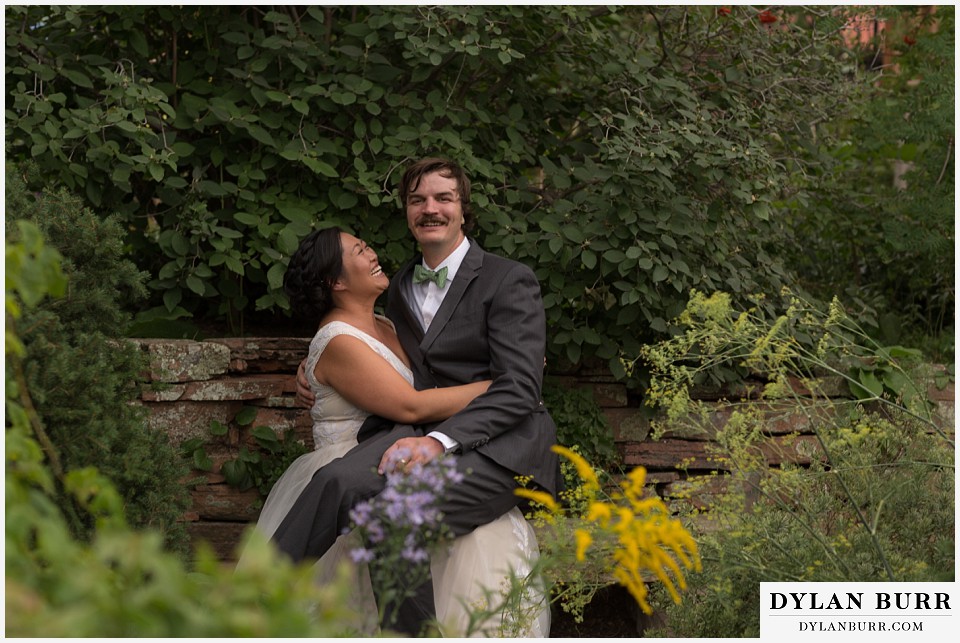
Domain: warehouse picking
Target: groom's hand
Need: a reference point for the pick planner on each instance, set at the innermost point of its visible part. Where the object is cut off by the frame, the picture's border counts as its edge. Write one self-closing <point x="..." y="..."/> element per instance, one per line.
<point x="405" y="452"/>
<point x="305" y="396"/>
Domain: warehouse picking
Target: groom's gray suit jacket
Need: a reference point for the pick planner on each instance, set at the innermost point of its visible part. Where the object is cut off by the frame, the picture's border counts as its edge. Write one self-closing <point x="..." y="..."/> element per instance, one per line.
<point x="491" y="325"/>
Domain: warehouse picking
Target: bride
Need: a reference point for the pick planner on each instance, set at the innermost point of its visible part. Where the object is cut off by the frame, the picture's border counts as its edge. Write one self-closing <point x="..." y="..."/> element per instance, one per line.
<point x="356" y="367"/>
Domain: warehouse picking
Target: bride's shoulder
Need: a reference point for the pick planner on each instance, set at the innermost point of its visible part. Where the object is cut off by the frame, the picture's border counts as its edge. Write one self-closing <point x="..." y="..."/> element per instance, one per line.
<point x="329" y="330"/>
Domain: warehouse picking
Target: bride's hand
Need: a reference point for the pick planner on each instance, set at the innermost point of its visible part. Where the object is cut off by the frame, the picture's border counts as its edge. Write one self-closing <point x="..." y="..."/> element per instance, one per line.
<point x="405" y="452"/>
<point x="305" y="396"/>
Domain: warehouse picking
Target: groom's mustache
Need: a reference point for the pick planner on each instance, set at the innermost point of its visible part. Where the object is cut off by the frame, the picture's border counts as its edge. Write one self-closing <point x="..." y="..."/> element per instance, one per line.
<point x="428" y="220"/>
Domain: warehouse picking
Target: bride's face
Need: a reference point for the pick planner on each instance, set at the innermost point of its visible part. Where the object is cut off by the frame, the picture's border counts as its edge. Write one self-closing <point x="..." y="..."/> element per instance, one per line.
<point x="361" y="268"/>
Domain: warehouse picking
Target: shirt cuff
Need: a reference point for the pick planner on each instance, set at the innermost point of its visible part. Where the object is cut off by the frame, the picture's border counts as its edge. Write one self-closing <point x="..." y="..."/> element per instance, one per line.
<point x="449" y="444"/>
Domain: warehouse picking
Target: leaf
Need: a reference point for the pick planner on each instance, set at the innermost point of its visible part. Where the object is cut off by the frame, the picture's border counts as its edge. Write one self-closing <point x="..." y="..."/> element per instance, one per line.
<point x="895" y="381"/>
<point x="295" y="213"/>
<point x="614" y="255"/>
<point x="275" y="275"/>
<point x="77" y="78"/>
<point x="246" y="218"/>
<point x="865" y="384"/>
<point x="235" y="265"/>
<point x="245" y="416"/>
<point x="156" y="171"/>
<point x="320" y="167"/>
<point x="139" y="43"/>
<point x="195" y="284"/>
<point x="548" y="224"/>
<point x="261" y="135"/>
<point x="659" y="273"/>
<point x="235" y="37"/>
<point x="900" y="352"/>
<point x="343" y="98"/>
<point x="627" y="315"/>
<point x="183" y="148"/>
<point x="201" y="460"/>
<point x="171" y="298"/>
<point x="265" y="433"/>
<point x="235" y="474"/>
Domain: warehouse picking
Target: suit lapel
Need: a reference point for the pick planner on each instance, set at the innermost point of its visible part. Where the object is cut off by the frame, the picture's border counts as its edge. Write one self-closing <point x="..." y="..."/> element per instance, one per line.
<point x="468" y="271"/>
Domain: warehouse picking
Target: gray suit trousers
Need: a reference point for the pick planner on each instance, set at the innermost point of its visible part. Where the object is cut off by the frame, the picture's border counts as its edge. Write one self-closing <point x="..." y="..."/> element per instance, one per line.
<point x="322" y="512"/>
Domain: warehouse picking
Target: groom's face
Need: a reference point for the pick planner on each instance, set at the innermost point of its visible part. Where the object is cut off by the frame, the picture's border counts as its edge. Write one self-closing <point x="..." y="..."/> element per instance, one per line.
<point x="435" y="215"/>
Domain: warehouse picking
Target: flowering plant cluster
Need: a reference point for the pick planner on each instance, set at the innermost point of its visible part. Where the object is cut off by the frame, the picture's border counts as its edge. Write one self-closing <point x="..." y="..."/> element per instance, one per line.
<point x="633" y="536"/>
<point x="399" y="528"/>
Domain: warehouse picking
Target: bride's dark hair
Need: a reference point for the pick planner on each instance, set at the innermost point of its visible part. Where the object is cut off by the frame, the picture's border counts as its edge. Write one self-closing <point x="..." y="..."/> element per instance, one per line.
<point x="312" y="270"/>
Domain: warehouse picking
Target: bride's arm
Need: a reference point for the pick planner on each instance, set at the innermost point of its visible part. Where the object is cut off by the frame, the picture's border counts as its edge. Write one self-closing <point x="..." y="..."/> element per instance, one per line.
<point x="369" y="382"/>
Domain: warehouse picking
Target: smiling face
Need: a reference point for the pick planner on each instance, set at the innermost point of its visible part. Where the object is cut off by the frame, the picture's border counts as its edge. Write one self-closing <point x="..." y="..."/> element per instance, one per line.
<point x="362" y="274"/>
<point x="435" y="216"/>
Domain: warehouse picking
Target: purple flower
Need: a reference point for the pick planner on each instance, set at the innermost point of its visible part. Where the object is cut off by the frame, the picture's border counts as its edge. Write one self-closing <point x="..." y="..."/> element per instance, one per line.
<point x="399" y="523"/>
<point x="361" y="555"/>
<point x="415" y="554"/>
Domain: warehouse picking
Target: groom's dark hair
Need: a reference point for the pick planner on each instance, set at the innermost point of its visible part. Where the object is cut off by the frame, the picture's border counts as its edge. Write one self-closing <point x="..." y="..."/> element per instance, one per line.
<point x="446" y="168"/>
<point x="313" y="268"/>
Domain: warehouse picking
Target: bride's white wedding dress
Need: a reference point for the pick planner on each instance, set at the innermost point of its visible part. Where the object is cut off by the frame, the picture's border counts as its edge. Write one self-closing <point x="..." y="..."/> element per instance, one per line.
<point x="463" y="571"/>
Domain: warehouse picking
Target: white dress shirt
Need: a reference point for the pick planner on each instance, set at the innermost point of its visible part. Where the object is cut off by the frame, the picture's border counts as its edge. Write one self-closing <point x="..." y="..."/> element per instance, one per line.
<point x="427" y="298"/>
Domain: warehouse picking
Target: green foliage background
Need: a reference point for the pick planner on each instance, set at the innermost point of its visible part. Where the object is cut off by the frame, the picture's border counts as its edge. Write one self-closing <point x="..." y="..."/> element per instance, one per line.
<point x="122" y="582"/>
<point x="81" y="378"/>
<point x="876" y="501"/>
<point x="628" y="154"/>
<point x="875" y="223"/>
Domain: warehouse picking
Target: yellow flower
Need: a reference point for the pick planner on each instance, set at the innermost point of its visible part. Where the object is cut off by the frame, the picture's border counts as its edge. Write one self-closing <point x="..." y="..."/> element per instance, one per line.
<point x="584" y="539"/>
<point x="600" y="512"/>
<point x="633" y="484"/>
<point x="540" y="497"/>
<point x="631" y="531"/>
<point x="584" y="470"/>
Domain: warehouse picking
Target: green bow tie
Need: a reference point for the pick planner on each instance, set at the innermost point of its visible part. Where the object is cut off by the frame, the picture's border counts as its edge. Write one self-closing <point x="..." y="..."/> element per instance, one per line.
<point x="421" y="274"/>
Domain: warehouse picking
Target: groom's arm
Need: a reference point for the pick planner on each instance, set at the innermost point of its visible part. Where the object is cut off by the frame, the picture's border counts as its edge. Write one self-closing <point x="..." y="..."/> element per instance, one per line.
<point x="516" y="343"/>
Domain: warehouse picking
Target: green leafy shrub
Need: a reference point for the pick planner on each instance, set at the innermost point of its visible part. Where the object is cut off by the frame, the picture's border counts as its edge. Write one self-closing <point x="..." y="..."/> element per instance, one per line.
<point x="123" y="583"/>
<point x="875" y="502"/>
<point x="627" y="154"/>
<point x="581" y="424"/>
<point x="260" y="467"/>
<point x="877" y="227"/>
<point x="82" y="378"/>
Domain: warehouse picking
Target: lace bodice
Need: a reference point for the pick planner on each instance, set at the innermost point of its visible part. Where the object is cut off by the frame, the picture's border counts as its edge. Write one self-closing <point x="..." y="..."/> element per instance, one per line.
<point x="335" y="420"/>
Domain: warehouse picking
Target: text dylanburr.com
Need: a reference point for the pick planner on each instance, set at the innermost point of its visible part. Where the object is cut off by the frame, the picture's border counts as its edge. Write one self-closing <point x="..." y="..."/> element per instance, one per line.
<point x="858" y="611"/>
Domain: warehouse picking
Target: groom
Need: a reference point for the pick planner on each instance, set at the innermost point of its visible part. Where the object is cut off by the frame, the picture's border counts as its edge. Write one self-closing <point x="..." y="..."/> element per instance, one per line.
<point x="462" y="315"/>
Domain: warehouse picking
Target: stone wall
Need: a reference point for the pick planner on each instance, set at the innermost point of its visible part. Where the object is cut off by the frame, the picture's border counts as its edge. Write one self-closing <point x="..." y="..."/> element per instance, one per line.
<point x="199" y="382"/>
